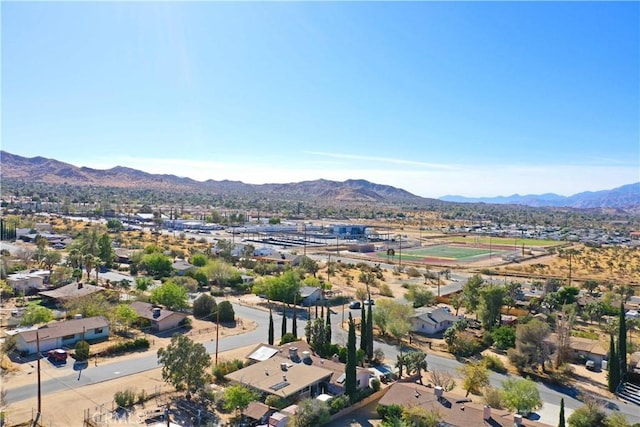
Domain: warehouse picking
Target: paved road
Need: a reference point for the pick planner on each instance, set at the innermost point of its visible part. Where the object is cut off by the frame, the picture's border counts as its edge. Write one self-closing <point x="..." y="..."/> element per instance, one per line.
<point x="550" y="396"/>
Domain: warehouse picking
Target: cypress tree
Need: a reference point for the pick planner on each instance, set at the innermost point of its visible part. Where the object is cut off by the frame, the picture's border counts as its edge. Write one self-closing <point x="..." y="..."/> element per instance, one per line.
<point x="270" y="327"/>
<point x="294" y="326"/>
<point x="363" y="329"/>
<point x="284" y="321"/>
<point x="622" y="342"/>
<point x="561" y="422"/>
<point x="614" y="367"/>
<point x="350" y="369"/>
<point x="369" y="331"/>
<point x="327" y="328"/>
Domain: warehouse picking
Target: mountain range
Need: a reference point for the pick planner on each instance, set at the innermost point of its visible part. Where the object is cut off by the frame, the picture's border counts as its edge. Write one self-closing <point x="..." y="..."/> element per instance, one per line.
<point x="624" y="196"/>
<point x="51" y="171"/>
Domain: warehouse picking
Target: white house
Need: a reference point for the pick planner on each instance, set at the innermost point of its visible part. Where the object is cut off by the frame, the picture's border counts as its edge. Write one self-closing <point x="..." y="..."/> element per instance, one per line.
<point x="310" y="295"/>
<point x="431" y="320"/>
<point x="62" y="334"/>
<point x="27" y="282"/>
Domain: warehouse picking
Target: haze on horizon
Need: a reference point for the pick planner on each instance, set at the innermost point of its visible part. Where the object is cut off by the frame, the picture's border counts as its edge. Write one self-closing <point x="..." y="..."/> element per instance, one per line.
<point x="472" y="99"/>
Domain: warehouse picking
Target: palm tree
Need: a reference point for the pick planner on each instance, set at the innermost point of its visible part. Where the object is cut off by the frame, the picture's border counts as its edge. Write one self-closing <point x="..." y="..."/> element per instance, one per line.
<point x="88" y="262"/>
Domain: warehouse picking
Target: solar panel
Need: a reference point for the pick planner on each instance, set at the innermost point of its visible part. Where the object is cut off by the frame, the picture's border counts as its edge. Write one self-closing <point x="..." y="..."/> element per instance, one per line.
<point x="279" y="386"/>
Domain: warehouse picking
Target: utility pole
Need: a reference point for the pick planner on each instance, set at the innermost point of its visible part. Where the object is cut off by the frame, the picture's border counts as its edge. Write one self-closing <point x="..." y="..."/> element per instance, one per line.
<point x="217" y="332"/>
<point x="39" y="384"/>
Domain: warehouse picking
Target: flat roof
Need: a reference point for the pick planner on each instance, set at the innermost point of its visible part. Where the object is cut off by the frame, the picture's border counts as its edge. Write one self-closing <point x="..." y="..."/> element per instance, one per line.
<point x="269" y="377"/>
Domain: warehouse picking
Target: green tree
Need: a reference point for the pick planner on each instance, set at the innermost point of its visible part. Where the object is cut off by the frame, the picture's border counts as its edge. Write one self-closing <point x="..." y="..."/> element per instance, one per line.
<point x="82" y="350"/>
<point x="613" y="376"/>
<point x="204" y="307"/>
<point x="283" y="329"/>
<point x="387" y="310"/>
<point x="474" y="376"/>
<point x="350" y="369"/>
<point x="531" y="342"/>
<point x="420" y="296"/>
<point x="126" y="315"/>
<point x="369" y="331"/>
<point x="504" y="337"/>
<point x="561" y="421"/>
<point x="271" y="332"/>
<point x="622" y="342"/>
<point x="589" y="415"/>
<point x="238" y="396"/>
<point x="421" y="417"/>
<point x="284" y="288"/>
<point x="225" y="312"/>
<point x="51" y="258"/>
<point x="363" y="327"/>
<point x="416" y="362"/>
<point x="106" y="253"/>
<point x="471" y="293"/>
<point x="616" y="419"/>
<point x="199" y="260"/>
<point x="36" y="314"/>
<point x="311" y="413"/>
<point x="309" y="265"/>
<point x="491" y="302"/>
<point x="521" y="395"/>
<point x="185" y="364"/>
<point x="115" y="225"/>
<point x="171" y="295"/>
<point x="157" y="264"/>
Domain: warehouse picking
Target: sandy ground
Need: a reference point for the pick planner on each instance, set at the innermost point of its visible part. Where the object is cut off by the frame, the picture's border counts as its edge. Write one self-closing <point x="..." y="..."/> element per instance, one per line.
<point x="67" y="408"/>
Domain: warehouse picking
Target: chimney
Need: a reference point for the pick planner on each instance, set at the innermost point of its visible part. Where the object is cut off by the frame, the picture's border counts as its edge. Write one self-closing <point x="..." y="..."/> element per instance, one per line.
<point x="517" y="420"/>
<point x="283" y="366"/>
<point x="306" y="357"/>
<point x="486" y="413"/>
<point x="79" y="285"/>
<point x="437" y="391"/>
<point x="293" y="354"/>
<point x="156" y="312"/>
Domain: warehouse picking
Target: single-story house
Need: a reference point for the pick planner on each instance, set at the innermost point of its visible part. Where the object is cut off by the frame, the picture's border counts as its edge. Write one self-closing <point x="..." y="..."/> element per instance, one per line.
<point x="71" y="291"/>
<point x="123" y="256"/>
<point x="431" y="320"/>
<point x="454" y="410"/>
<point x="582" y="349"/>
<point x="281" y="259"/>
<point x="310" y="295"/>
<point x="257" y="413"/>
<point x="62" y="334"/>
<point x="182" y="267"/>
<point x="283" y="377"/>
<point x="300" y="352"/>
<point x="28" y="282"/>
<point x="160" y="318"/>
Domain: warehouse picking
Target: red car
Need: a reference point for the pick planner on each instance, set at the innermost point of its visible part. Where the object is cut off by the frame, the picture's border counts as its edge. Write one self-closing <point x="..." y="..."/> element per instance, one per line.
<point x="57" y="355"/>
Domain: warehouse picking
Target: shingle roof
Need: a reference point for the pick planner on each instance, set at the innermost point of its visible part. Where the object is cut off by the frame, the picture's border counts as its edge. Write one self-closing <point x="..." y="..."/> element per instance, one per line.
<point x="454" y="410"/>
<point x="68" y="327"/>
<point x="73" y="290"/>
<point x="145" y="310"/>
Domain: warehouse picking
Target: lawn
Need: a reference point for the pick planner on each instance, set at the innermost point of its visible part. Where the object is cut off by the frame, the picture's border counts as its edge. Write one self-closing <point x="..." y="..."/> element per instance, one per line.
<point x="450" y="252"/>
<point x="504" y="241"/>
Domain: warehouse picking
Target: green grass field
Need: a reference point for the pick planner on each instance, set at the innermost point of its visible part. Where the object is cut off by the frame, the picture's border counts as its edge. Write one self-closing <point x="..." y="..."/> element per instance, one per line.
<point x="504" y="241"/>
<point x="449" y="252"/>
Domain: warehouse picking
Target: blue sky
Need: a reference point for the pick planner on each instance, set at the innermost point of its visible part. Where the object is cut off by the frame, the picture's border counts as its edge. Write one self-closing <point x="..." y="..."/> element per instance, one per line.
<point x="476" y="99"/>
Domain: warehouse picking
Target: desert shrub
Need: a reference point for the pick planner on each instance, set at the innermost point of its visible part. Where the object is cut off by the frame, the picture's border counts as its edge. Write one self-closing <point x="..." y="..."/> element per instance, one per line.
<point x="125" y="398"/>
<point x="225" y="312"/>
<point x="338" y="403"/>
<point x="413" y="272"/>
<point x="226" y="367"/>
<point x="562" y="374"/>
<point x="385" y="290"/>
<point x="494" y="363"/>
<point x="517" y="359"/>
<point x="123" y="347"/>
<point x="287" y="338"/>
<point x="375" y="384"/>
<point x="142" y="396"/>
<point x="277" y="402"/>
<point x="82" y="350"/>
<point x="493" y="397"/>
<point x="389" y="412"/>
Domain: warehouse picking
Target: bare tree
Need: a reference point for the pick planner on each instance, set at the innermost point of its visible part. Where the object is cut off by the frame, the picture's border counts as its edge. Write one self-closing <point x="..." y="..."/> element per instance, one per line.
<point x="443" y="379"/>
<point x="564" y="324"/>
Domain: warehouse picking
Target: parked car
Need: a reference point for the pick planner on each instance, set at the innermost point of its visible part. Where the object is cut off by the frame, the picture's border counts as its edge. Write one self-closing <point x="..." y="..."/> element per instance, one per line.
<point x="369" y="302"/>
<point x="57" y="355"/>
<point x="354" y="305"/>
<point x="590" y="365"/>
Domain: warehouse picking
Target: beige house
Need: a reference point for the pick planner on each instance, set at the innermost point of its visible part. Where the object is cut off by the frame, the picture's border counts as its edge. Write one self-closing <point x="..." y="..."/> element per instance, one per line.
<point x="160" y="318"/>
<point x="62" y="334"/>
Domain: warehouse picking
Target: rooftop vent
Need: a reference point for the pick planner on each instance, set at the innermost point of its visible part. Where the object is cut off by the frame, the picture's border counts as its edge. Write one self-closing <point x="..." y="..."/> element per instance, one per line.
<point x="486" y="413"/>
<point x="517" y="419"/>
<point x="437" y="391"/>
